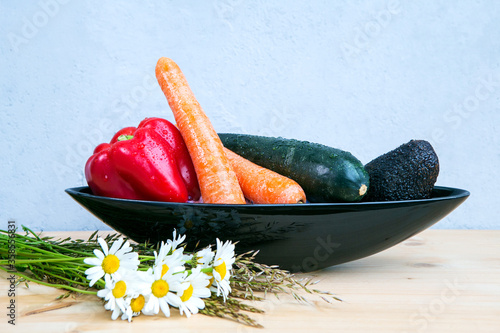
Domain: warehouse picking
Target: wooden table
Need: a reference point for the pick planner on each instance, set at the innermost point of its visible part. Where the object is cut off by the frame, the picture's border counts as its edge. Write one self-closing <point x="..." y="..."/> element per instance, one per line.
<point x="438" y="281"/>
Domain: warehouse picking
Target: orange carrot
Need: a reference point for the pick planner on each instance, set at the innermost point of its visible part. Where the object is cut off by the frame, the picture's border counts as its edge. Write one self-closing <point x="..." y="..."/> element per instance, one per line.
<point x="263" y="186"/>
<point x="218" y="182"/>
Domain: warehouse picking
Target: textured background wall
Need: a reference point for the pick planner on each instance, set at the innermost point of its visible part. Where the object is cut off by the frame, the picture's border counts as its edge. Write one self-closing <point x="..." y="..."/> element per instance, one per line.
<point x="364" y="76"/>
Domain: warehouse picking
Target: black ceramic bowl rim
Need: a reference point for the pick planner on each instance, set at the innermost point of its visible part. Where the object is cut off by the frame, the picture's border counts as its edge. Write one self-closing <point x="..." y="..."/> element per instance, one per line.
<point x="450" y="193"/>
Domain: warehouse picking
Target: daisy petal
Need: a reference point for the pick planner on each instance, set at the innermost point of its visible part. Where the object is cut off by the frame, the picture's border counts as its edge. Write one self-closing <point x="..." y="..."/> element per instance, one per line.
<point x="104" y="246"/>
<point x="156" y="306"/>
<point x="109" y="305"/>
<point x="173" y="299"/>
<point x="152" y="306"/>
<point x="130" y="256"/>
<point x="192" y="307"/>
<point x="184" y="309"/>
<point x="99" y="254"/>
<point x="116" y="246"/>
<point x="120" y="302"/>
<point x="93" y="281"/>
<point x="115" y="314"/>
<point x="128" y="265"/>
<point x="95" y="276"/>
<point x="117" y="276"/>
<point x="202" y="293"/>
<point x="107" y="280"/>
<point x="93" y="261"/>
<point x="164" y="308"/>
<point x="107" y="298"/>
<point x="93" y="270"/>
<point x="127" y="314"/>
<point x="198" y="303"/>
<point x="124" y="249"/>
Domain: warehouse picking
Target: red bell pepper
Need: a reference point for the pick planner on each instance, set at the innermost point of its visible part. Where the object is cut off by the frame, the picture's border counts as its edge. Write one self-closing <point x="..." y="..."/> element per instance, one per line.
<point x="103" y="178"/>
<point x="142" y="164"/>
<point x="173" y="136"/>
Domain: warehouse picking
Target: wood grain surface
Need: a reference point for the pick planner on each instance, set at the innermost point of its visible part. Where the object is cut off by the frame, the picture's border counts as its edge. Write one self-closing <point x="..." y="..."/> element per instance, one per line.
<point x="437" y="281"/>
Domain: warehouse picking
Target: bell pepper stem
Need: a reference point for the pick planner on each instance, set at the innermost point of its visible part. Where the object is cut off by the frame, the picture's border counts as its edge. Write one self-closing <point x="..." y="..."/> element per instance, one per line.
<point x="125" y="137"/>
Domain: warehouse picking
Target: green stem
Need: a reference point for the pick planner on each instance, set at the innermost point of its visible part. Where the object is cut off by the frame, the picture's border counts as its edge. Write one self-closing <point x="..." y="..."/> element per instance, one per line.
<point x="31" y="261"/>
<point x="146" y="258"/>
<point x="60" y="286"/>
<point x="24" y="254"/>
<point x="124" y="137"/>
<point x="207" y="270"/>
<point x="86" y="254"/>
<point x="38" y="256"/>
<point x="52" y="274"/>
<point x="24" y="245"/>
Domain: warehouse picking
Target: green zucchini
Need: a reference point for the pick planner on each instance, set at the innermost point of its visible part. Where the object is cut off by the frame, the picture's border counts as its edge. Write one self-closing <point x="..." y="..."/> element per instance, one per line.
<point x="326" y="174"/>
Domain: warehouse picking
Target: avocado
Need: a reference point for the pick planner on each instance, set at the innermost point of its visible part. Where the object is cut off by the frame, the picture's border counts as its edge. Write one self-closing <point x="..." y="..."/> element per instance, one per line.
<point x="408" y="172"/>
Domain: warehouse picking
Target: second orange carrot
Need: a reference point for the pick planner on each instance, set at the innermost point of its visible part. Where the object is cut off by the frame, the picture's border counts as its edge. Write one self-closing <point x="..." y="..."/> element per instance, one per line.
<point x="263" y="186"/>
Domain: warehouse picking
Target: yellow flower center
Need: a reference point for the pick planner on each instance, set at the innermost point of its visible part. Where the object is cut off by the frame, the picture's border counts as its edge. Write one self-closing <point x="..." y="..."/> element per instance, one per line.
<point x="164" y="269"/>
<point x="221" y="269"/>
<point x="136" y="304"/>
<point x="187" y="293"/>
<point x="110" y="264"/>
<point x="119" y="289"/>
<point x="159" y="288"/>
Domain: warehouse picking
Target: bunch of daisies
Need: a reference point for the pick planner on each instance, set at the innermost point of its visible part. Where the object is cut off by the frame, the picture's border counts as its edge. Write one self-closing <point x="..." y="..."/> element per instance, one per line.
<point x="175" y="279"/>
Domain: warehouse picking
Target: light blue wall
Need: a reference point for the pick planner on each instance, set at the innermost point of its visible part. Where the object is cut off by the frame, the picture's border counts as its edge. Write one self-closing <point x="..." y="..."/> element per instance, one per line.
<point x="364" y="76"/>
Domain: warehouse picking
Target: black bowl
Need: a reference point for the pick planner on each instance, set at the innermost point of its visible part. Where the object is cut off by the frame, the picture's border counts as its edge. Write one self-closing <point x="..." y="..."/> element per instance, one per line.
<point x="298" y="237"/>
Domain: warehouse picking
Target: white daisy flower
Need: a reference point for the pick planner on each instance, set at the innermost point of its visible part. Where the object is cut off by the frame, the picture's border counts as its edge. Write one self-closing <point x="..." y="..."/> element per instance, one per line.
<point x="119" y="294"/>
<point x="185" y="257"/>
<point x="118" y="311"/>
<point x="137" y="296"/>
<point x="191" y="291"/>
<point x="204" y="259"/>
<point x="223" y="263"/>
<point x="169" y="263"/>
<point x="163" y="253"/>
<point x="162" y="285"/>
<point x="134" y="307"/>
<point x="114" y="293"/>
<point x="176" y="241"/>
<point x="113" y="262"/>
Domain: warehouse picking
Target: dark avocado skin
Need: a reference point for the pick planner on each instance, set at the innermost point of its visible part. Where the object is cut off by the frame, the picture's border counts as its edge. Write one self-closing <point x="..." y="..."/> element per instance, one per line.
<point x="408" y="172"/>
<point x="326" y="174"/>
